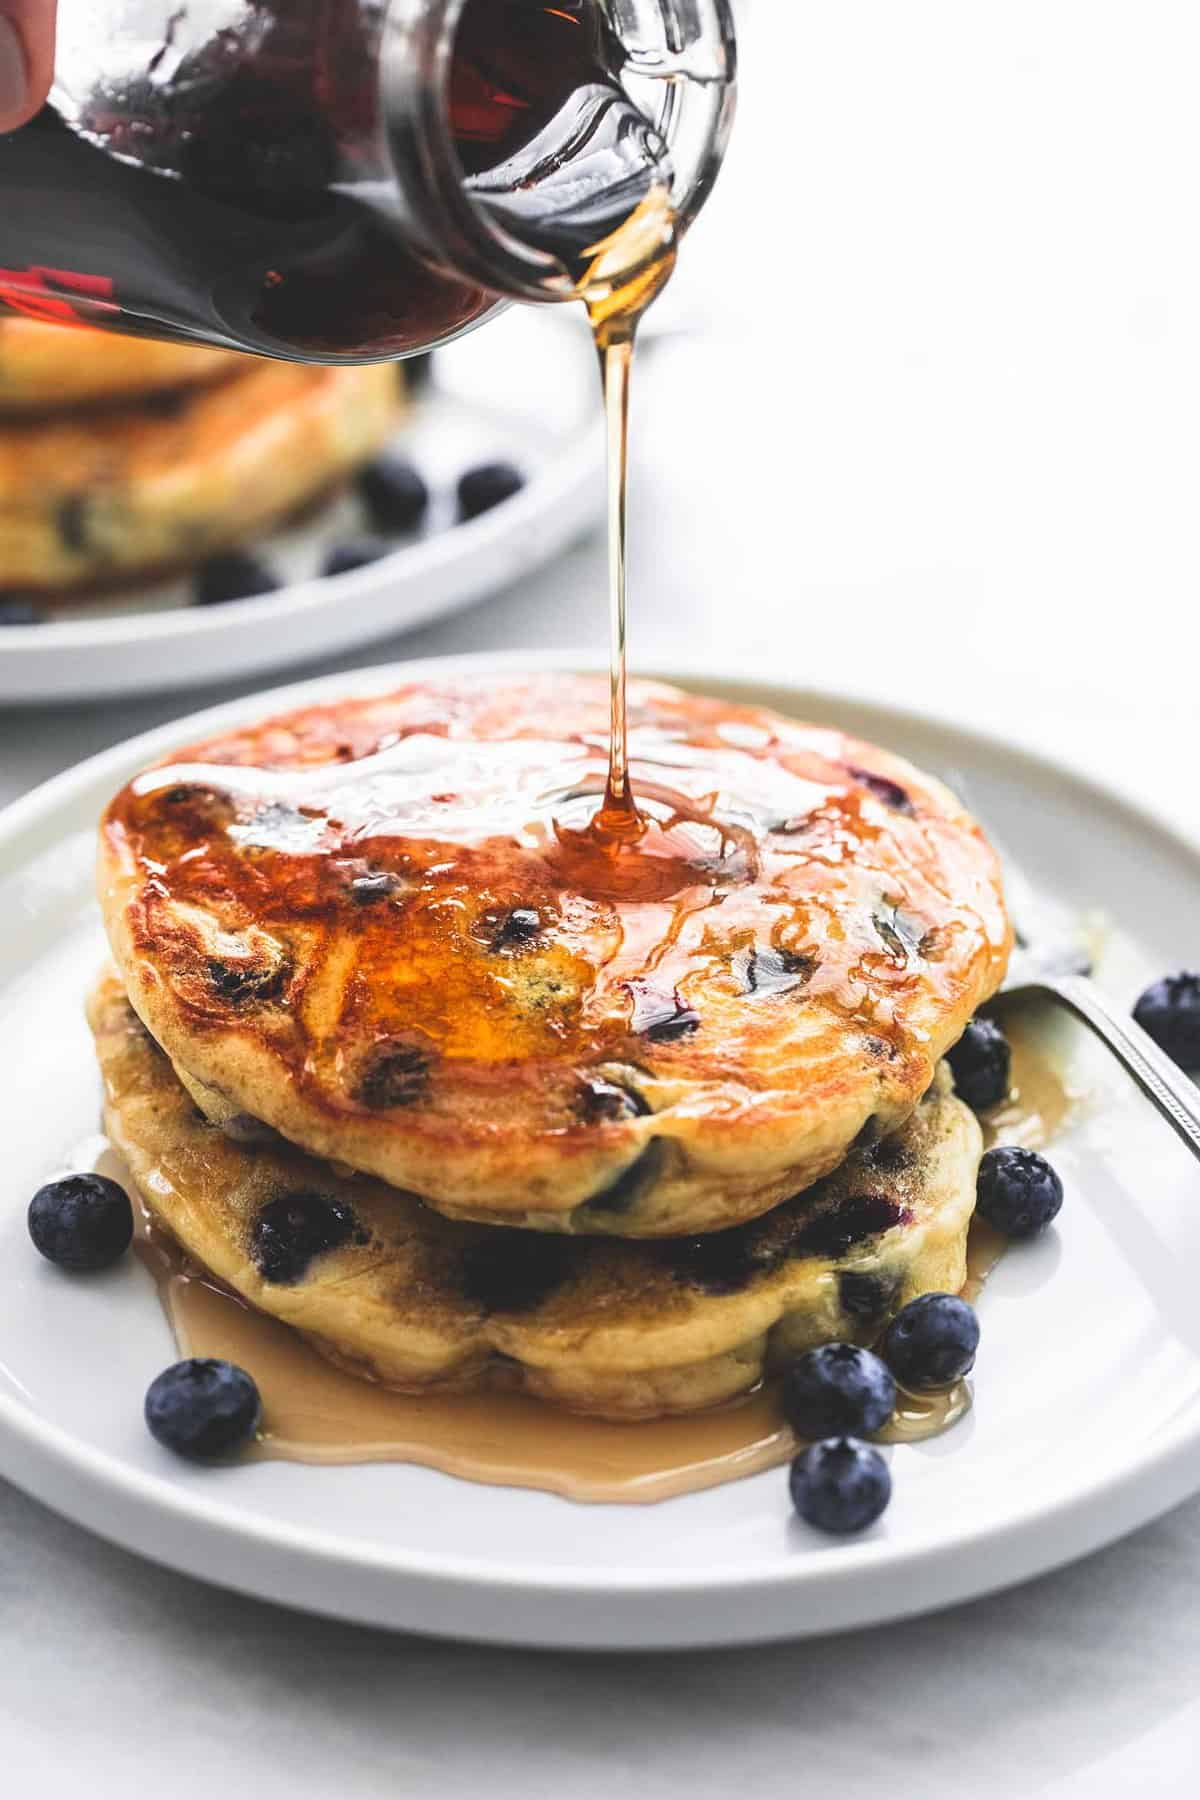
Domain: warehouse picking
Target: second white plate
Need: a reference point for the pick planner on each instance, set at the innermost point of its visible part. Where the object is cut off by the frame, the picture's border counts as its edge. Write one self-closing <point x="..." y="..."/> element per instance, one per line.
<point x="524" y="389"/>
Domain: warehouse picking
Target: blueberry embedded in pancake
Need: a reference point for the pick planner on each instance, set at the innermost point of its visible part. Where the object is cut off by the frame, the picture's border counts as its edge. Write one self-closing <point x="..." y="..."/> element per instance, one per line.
<point x="622" y="1329"/>
<point x="394" y="1073"/>
<point x="289" y="1233"/>
<point x="384" y="928"/>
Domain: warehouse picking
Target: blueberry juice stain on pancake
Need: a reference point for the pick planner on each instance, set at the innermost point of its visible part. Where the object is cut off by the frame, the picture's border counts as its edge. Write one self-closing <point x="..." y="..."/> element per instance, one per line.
<point x="389" y="929"/>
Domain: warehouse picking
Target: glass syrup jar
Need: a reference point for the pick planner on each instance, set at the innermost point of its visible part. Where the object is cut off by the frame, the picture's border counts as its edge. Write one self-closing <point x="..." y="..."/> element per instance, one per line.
<point x="349" y="180"/>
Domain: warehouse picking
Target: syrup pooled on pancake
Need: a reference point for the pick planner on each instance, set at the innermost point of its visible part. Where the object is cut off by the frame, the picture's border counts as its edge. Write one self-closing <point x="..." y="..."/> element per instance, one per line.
<point x="388" y="929"/>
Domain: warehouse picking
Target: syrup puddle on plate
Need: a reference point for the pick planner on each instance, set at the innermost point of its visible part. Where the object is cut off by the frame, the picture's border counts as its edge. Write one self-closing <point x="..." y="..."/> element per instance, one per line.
<point x="315" y="1412"/>
<point x="1042" y="1102"/>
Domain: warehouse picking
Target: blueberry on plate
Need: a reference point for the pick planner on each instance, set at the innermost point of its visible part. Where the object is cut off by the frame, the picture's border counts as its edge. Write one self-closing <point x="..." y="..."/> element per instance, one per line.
<point x="358" y="553"/>
<point x="82" y="1223"/>
<point x="203" y="1408"/>
<point x="837" y="1389"/>
<point x="1170" y="1011"/>
<point x="981" y="1063"/>
<point x="1018" y="1192"/>
<point x="232" y="576"/>
<point x="394" y="493"/>
<point x="486" y="486"/>
<point x="840" y="1485"/>
<point x="16" y="611"/>
<point x="931" y="1342"/>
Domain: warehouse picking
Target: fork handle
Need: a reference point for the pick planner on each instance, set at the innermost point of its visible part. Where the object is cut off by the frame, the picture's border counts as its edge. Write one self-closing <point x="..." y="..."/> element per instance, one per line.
<point x="1162" y="1081"/>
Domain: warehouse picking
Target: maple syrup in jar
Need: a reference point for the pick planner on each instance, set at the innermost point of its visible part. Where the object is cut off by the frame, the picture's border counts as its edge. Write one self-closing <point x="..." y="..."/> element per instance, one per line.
<point x="349" y="180"/>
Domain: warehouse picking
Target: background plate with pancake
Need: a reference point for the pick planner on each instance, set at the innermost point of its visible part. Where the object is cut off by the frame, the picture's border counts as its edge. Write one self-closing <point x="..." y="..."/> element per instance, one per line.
<point x="523" y="391"/>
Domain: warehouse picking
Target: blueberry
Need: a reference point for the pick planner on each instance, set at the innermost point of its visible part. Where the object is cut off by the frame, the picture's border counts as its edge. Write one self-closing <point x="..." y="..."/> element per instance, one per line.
<point x="71" y="517"/>
<point x="232" y="576"/>
<point x="840" y="1485"/>
<point x="931" y="1342"/>
<point x="486" y="486"/>
<point x="358" y="553"/>
<point x="203" y="1408"/>
<point x="293" y="1230"/>
<point x="1170" y="1011"/>
<point x="681" y="1023"/>
<point x="883" y="788"/>
<point x="838" y="1388"/>
<point x="244" y="1128"/>
<point x="601" y="1102"/>
<point x="394" y="493"/>
<point x="634" y="1183"/>
<point x="516" y="929"/>
<point x="511" y="1272"/>
<point x="380" y="884"/>
<point x="1019" y="1193"/>
<point x="15" y="611"/>
<point x="240" y="983"/>
<point x="981" y="1063"/>
<point x="766" y="970"/>
<point x="395" y="1073"/>
<point x="83" y="1222"/>
<point x="852" y="1221"/>
<point x="724" y="1262"/>
<point x="866" y="1297"/>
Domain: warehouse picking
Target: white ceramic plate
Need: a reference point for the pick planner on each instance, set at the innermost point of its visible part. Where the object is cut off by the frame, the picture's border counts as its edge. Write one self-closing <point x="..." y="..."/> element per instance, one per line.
<point x="524" y="390"/>
<point x="1087" y="1416"/>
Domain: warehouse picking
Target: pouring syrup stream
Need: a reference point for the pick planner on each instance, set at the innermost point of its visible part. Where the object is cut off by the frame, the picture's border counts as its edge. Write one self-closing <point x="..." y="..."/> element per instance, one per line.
<point x="626" y="273"/>
<point x="616" y="368"/>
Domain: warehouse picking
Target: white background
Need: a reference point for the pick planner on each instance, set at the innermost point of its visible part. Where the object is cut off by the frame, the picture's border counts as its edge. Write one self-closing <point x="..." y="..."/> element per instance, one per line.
<point x="923" y="419"/>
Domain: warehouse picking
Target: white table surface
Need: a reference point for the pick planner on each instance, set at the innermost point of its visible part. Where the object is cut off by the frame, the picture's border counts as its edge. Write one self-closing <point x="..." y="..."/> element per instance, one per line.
<point x="941" y="444"/>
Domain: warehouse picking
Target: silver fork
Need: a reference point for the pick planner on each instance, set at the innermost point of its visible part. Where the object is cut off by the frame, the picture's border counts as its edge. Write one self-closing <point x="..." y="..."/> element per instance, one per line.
<point x="1052" y="959"/>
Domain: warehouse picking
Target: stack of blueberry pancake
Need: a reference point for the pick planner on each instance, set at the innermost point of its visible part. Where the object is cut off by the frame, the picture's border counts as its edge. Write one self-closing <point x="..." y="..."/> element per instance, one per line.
<point x="121" y="457"/>
<point x="406" y="1049"/>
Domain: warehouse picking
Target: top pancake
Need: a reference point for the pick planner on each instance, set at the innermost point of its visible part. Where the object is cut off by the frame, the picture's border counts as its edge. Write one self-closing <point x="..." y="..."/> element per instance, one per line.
<point x="383" y="928"/>
<point x="48" y="368"/>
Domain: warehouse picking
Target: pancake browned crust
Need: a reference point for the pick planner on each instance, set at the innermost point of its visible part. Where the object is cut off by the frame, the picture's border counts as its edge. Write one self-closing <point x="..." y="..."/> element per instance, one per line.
<point x="110" y="495"/>
<point x="374" y="926"/>
<point x="386" y="1287"/>
<point x="48" y="368"/>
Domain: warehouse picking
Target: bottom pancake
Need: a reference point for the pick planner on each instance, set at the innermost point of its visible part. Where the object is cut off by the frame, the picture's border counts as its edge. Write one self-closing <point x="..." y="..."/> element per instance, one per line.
<point x="399" y="1294"/>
